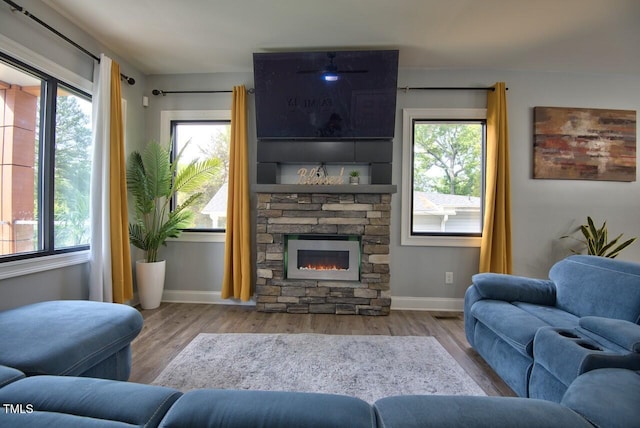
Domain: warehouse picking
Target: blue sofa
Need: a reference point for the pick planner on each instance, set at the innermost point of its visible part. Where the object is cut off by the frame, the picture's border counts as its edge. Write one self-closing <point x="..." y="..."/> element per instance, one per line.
<point x="539" y="335"/>
<point x="58" y="389"/>
<point x="601" y="398"/>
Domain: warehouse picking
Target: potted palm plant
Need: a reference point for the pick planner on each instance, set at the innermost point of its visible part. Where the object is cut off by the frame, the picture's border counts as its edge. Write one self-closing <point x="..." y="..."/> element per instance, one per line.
<point x="153" y="180"/>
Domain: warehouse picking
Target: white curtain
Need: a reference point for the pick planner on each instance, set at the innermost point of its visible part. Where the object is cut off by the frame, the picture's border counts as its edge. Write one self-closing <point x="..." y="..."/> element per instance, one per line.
<point x="100" y="279"/>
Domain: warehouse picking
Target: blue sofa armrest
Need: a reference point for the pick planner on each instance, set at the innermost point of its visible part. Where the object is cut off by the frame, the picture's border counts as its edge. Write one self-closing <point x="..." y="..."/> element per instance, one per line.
<point x="512" y="288"/>
<point x="623" y="333"/>
<point x="606" y="397"/>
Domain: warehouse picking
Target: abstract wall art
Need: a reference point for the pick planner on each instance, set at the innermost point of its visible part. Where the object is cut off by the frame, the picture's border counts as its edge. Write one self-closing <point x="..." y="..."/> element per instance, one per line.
<point x="584" y="144"/>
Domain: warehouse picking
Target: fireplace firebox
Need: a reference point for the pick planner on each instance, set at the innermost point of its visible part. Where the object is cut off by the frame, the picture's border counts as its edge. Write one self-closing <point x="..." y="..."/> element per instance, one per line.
<point x="322" y="257"/>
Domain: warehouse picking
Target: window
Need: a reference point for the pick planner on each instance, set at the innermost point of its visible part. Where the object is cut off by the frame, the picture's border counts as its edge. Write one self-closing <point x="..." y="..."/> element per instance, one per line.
<point x="46" y="163"/>
<point x="205" y="140"/>
<point x="443" y="186"/>
<point x="208" y="133"/>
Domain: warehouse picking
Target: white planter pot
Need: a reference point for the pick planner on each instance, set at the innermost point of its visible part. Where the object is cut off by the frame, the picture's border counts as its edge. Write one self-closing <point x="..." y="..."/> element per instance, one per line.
<point x="150" y="280"/>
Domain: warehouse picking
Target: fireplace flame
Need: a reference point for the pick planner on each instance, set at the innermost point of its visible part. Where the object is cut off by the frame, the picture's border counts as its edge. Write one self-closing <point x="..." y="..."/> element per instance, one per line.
<point x="322" y="267"/>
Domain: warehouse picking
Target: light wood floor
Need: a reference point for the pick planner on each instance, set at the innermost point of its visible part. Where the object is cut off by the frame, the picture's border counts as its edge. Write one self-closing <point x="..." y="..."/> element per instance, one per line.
<point x="168" y="329"/>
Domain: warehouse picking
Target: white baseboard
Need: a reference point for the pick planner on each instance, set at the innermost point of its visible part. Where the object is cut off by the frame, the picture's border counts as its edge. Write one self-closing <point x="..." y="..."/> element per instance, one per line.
<point x="426" y="304"/>
<point x="397" y="302"/>
<point x="190" y="296"/>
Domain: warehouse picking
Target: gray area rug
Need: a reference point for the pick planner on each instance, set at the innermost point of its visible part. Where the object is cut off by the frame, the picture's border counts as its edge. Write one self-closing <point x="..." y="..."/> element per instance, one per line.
<point x="368" y="367"/>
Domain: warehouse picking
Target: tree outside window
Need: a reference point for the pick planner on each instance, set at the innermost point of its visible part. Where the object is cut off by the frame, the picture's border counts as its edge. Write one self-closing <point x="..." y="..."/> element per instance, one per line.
<point x="447" y="177"/>
<point x="72" y="170"/>
<point x="206" y="139"/>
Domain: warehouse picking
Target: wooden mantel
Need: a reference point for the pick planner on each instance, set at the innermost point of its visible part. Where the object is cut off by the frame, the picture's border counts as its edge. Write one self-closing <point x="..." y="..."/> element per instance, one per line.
<point x="338" y="188"/>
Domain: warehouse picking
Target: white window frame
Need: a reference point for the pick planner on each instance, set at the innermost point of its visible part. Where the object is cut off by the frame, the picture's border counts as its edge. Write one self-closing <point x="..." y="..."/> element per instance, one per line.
<point x="409" y="115"/>
<point x="166" y="117"/>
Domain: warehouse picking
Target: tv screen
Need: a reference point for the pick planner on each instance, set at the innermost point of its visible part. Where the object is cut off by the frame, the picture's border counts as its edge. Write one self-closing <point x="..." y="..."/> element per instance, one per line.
<point x="326" y="95"/>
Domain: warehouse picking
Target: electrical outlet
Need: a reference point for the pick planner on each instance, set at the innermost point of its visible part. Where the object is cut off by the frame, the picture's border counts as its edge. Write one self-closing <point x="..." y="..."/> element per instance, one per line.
<point x="448" y="278"/>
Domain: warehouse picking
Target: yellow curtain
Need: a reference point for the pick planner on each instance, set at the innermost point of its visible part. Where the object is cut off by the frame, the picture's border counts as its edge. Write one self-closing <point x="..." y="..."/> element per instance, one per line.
<point x="495" y="250"/>
<point x="236" y="282"/>
<point x="120" y="250"/>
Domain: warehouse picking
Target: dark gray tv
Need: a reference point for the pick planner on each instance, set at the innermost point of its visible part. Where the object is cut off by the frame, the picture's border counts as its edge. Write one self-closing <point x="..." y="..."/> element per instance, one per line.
<point x="326" y="96"/>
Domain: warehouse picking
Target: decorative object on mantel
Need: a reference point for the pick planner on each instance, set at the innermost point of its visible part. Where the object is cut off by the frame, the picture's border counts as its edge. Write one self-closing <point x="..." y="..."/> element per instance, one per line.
<point x="354" y="177"/>
<point x="319" y="176"/>
<point x="584" y="144"/>
<point x="597" y="242"/>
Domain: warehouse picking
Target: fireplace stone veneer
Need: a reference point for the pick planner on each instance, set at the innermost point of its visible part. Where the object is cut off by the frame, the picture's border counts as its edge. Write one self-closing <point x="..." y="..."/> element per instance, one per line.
<point x="367" y="215"/>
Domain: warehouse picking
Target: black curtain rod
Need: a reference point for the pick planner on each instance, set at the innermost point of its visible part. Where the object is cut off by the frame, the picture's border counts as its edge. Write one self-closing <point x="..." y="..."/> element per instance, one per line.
<point x="17" y="7"/>
<point x="406" y="89"/>
<point x="163" y="93"/>
<point x="448" y="88"/>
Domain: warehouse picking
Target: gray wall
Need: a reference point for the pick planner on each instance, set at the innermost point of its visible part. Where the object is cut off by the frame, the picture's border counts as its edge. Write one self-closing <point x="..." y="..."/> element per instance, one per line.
<point x="543" y="210"/>
<point x="70" y="282"/>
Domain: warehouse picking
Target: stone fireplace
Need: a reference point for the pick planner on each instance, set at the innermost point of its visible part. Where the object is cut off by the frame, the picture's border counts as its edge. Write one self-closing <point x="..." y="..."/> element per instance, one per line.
<point x="352" y="222"/>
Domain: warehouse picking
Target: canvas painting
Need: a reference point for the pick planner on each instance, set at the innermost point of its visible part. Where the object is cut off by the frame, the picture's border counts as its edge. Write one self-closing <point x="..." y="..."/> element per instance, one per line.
<point x="584" y="144"/>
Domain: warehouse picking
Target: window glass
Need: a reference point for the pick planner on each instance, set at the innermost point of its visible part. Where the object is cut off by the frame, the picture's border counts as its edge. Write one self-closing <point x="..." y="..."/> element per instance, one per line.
<point x="447" y="177"/>
<point x="206" y="139"/>
<point x="20" y="136"/>
<point x="72" y="169"/>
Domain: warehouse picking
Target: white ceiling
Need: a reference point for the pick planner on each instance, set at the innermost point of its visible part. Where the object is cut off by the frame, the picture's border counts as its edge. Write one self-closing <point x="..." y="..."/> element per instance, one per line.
<point x="205" y="36"/>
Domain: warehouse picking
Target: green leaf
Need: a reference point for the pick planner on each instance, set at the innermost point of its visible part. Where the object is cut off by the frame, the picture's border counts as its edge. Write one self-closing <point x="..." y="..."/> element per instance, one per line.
<point x="158" y="169"/>
<point x="620" y="247"/>
<point x="191" y="177"/>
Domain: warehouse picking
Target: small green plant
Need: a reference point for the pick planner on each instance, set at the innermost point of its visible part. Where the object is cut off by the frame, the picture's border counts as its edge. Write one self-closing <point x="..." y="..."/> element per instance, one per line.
<point x="596" y="240"/>
<point x="354" y="173"/>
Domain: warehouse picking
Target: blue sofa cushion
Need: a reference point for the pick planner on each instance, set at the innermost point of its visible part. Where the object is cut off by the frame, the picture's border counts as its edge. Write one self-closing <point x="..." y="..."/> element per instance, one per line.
<point x="417" y="411"/>
<point x="87" y="399"/>
<point x="606" y="397"/>
<point x="242" y="408"/>
<point x="65" y="337"/>
<point x="510" y="323"/>
<point x="8" y="375"/>
<point x="550" y="314"/>
<point x="598" y="286"/>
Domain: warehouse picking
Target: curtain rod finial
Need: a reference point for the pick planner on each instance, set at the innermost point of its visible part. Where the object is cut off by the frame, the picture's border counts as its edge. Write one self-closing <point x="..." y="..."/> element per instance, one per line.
<point x="129" y="80"/>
